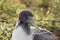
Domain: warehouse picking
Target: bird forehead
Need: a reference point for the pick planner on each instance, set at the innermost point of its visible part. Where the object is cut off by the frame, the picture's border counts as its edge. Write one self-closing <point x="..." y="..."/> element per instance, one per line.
<point x="26" y="13"/>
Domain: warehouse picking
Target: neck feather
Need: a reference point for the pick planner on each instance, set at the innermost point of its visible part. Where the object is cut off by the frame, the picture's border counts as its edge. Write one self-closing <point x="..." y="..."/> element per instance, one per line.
<point x="24" y="26"/>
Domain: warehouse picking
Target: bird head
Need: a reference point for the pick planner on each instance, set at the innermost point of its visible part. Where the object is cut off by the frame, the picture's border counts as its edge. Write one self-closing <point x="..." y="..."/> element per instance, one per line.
<point x="26" y="16"/>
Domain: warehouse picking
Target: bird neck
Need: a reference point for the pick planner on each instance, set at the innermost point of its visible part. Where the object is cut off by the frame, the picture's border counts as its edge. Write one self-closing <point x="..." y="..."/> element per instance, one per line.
<point x="25" y="27"/>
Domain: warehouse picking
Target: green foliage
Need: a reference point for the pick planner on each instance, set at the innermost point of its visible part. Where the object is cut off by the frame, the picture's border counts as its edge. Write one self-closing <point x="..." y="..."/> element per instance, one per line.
<point x="46" y="14"/>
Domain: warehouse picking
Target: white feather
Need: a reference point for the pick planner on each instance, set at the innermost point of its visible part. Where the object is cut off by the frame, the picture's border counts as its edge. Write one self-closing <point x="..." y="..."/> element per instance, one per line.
<point x="19" y="34"/>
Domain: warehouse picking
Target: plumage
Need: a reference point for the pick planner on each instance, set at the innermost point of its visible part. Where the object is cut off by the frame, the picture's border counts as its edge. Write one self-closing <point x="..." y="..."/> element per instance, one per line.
<point x="24" y="31"/>
<point x="42" y="34"/>
<point x="19" y="34"/>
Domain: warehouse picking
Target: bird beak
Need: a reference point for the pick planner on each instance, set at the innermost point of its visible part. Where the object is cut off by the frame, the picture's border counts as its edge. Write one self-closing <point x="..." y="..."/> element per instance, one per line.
<point x="32" y="22"/>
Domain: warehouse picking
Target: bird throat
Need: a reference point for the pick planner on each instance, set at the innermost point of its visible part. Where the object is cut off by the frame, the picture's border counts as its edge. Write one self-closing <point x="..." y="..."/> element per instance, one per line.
<point x="25" y="27"/>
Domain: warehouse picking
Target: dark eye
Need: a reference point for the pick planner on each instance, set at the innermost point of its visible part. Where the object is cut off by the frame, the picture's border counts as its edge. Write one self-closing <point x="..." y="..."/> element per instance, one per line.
<point x="27" y="17"/>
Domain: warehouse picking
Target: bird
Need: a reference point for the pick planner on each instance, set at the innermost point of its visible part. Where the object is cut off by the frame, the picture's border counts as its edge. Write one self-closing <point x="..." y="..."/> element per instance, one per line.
<point x="42" y="34"/>
<point x="26" y="28"/>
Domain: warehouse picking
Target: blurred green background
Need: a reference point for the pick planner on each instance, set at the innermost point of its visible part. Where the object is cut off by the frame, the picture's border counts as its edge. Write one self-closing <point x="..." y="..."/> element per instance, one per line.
<point x="46" y="14"/>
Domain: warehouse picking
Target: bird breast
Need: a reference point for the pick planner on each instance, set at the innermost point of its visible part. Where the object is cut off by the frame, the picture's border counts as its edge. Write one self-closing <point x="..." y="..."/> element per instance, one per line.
<point x="19" y="34"/>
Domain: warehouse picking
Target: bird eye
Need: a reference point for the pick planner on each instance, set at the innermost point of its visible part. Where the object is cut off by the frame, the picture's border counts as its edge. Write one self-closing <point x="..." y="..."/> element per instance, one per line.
<point x="26" y="17"/>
